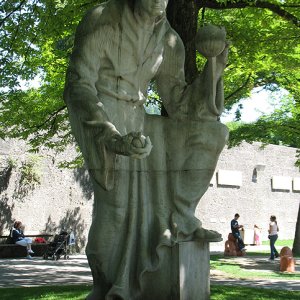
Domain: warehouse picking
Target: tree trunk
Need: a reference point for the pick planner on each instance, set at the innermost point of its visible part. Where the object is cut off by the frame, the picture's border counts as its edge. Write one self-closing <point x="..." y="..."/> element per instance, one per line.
<point x="183" y="16"/>
<point x="296" y="245"/>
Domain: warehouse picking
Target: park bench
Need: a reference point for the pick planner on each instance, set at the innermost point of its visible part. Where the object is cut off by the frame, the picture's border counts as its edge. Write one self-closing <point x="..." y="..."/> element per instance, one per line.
<point x="14" y="251"/>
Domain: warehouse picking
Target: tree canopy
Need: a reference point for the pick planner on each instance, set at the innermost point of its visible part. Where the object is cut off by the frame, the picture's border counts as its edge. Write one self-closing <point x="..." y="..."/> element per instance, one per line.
<point x="37" y="39"/>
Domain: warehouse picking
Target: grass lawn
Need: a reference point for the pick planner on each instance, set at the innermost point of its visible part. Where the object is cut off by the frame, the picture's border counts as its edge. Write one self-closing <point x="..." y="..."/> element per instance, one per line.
<point x="79" y="292"/>
<point x="234" y="270"/>
<point x="219" y="292"/>
<point x="74" y="292"/>
<point x="262" y="268"/>
<point x="288" y="243"/>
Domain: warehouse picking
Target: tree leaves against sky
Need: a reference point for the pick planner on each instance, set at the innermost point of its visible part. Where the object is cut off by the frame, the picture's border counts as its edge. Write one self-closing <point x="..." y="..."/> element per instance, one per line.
<point x="36" y="39"/>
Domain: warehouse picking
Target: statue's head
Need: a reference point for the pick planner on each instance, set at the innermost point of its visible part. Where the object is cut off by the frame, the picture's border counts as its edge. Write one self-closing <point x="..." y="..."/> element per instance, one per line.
<point x="154" y="8"/>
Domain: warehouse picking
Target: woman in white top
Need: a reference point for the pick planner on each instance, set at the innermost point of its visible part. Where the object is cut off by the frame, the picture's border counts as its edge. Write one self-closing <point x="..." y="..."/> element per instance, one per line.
<point x="273" y="236"/>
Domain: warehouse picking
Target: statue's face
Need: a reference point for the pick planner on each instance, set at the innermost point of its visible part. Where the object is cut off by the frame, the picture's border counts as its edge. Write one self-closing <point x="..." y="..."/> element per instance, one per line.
<point x="154" y="8"/>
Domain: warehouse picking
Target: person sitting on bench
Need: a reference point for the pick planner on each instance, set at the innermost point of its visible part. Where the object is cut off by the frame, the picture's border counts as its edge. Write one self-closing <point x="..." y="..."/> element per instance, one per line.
<point x="19" y="238"/>
<point x="235" y="229"/>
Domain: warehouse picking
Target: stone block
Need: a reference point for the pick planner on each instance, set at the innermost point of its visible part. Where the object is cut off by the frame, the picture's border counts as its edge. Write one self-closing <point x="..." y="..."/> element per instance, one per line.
<point x="230" y="178"/>
<point x="296" y="184"/>
<point x="182" y="275"/>
<point x="281" y="183"/>
<point x="194" y="270"/>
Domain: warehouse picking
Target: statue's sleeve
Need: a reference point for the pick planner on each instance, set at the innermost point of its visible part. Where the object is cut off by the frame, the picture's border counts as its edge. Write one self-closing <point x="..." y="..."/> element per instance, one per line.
<point x="170" y="79"/>
<point x="90" y="124"/>
<point x="179" y="98"/>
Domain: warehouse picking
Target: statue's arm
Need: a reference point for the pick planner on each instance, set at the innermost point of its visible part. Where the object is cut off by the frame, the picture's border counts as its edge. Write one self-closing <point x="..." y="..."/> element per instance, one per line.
<point x="89" y="120"/>
<point x="170" y="79"/>
<point x="82" y="74"/>
<point x="180" y="98"/>
<point x="175" y="93"/>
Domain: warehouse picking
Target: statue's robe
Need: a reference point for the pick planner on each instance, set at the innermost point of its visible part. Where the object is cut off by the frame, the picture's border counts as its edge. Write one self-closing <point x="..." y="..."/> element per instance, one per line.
<point x="142" y="207"/>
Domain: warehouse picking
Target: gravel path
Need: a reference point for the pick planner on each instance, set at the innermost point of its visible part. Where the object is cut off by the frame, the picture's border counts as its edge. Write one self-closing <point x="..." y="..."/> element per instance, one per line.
<point x="37" y="272"/>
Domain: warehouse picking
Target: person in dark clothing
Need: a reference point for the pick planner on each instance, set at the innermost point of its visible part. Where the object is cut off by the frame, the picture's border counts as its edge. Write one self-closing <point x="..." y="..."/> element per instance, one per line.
<point x="18" y="238"/>
<point x="235" y="229"/>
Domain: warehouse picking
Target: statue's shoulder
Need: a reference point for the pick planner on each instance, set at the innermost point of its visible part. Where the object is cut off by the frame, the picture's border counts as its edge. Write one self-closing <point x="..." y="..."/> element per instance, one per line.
<point x="173" y="40"/>
<point x="107" y="13"/>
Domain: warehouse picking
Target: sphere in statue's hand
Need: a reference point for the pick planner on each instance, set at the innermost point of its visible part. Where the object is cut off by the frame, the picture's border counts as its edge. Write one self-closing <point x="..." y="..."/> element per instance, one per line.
<point x="210" y="40"/>
<point x="139" y="142"/>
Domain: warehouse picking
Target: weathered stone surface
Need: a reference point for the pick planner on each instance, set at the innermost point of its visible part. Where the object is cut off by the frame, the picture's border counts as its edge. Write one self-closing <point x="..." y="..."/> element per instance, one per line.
<point x="145" y="198"/>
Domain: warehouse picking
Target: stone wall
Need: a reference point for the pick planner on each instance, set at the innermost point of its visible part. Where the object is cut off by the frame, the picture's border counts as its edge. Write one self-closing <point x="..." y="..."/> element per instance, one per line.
<point x="254" y="201"/>
<point x="63" y="198"/>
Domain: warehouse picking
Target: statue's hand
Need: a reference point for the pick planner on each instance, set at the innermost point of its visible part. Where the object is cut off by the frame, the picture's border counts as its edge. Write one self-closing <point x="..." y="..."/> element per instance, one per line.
<point x="134" y="144"/>
<point x="222" y="58"/>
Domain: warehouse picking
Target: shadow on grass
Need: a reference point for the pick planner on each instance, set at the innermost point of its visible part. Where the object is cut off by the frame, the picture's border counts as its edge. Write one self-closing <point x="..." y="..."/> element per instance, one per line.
<point x="252" y="267"/>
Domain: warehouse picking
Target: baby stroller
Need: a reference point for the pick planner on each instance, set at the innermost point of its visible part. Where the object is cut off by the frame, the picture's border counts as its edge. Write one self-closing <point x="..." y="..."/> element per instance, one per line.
<point x="60" y="246"/>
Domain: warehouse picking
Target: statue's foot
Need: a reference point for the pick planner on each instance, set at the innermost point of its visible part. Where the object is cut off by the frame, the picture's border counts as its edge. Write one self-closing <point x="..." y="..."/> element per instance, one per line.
<point x="207" y="235"/>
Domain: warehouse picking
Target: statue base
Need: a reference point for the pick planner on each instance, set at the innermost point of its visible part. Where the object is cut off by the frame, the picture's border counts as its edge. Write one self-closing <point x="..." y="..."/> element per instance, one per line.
<point x="182" y="275"/>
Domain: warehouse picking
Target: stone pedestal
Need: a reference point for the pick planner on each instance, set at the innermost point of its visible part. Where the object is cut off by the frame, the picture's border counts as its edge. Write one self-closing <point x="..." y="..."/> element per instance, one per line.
<point x="194" y="271"/>
<point x="183" y="274"/>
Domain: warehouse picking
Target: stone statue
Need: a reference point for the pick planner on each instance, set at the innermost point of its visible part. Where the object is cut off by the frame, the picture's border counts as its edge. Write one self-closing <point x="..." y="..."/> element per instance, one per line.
<point x="145" y="196"/>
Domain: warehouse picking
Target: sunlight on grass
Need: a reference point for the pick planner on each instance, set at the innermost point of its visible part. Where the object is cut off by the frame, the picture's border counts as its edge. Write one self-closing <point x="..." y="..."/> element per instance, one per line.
<point x="288" y="243"/>
<point x="235" y="269"/>
<point x="79" y="292"/>
<point x="47" y="293"/>
<point x="219" y="292"/>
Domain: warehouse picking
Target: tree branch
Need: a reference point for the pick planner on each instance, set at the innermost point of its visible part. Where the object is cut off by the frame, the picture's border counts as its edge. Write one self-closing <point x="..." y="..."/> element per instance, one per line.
<point x="275" y="8"/>
<point x="12" y="12"/>
<point x="51" y="116"/>
<point x="240" y="88"/>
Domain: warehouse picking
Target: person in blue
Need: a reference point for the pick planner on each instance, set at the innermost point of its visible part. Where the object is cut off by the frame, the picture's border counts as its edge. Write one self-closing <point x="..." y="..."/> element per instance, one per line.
<point x="18" y="238"/>
<point x="235" y="229"/>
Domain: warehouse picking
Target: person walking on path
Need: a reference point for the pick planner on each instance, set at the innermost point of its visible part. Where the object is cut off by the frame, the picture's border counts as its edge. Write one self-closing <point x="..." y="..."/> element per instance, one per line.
<point x="19" y="238"/>
<point x="273" y="236"/>
<point x="235" y="229"/>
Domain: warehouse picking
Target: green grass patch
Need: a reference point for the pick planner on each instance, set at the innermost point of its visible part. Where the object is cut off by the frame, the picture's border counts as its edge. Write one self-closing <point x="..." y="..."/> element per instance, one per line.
<point x="288" y="243"/>
<point x="220" y="292"/>
<point x="79" y="292"/>
<point x="74" y="292"/>
<point x="234" y="268"/>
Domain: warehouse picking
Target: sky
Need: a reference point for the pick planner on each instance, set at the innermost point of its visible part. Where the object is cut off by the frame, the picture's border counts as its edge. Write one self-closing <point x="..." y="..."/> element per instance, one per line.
<point x="261" y="102"/>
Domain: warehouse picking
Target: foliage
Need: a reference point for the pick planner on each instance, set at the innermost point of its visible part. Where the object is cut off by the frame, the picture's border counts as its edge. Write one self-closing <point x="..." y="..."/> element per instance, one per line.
<point x="263" y="51"/>
<point x="30" y="171"/>
<point x="11" y="162"/>
<point x="280" y="128"/>
<point x="37" y="39"/>
<point x="29" y="176"/>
